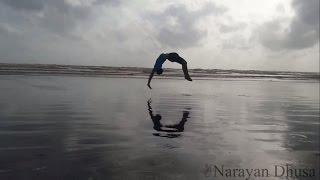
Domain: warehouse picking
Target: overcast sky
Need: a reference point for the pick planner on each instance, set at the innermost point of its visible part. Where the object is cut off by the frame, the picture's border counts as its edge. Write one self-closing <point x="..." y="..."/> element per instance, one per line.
<point x="228" y="34"/>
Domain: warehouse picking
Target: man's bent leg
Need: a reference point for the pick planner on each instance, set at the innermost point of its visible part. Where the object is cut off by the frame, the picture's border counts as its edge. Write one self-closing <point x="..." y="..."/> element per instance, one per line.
<point x="185" y="70"/>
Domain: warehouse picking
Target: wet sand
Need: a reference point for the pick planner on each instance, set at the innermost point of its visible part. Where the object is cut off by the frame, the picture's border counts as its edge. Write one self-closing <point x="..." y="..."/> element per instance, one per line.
<point x="60" y="127"/>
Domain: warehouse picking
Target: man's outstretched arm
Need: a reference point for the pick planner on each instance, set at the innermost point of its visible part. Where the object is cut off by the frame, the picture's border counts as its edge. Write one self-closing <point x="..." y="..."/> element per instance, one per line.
<point x="150" y="77"/>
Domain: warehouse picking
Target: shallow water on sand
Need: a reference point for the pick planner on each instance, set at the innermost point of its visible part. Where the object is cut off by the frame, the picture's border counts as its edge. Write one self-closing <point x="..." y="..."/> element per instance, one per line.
<point x="115" y="128"/>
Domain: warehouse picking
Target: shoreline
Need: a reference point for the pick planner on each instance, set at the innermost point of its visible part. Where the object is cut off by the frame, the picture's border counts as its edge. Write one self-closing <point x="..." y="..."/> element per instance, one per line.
<point x="139" y="72"/>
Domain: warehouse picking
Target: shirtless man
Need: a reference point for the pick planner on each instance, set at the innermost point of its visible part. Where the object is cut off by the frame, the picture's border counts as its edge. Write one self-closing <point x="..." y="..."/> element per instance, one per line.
<point x="173" y="57"/>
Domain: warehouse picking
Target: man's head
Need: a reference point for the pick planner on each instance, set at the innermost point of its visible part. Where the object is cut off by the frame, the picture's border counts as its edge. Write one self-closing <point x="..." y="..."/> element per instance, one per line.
<point x="160" y="71"/>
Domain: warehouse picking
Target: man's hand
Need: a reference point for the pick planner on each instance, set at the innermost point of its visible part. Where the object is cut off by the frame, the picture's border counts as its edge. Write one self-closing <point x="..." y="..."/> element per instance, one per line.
<point x="150" y="77"/>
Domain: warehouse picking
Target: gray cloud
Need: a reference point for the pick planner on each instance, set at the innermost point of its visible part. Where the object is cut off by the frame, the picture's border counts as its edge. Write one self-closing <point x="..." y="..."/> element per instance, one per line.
<point x="57" y="16"/>
<point x="176" y="26"/>
<point x="303" y="30"/>
<point x="236" y="42"/>
<point x="5" y="29"/>
<point x="29" y="5"/>
<point x="44" y="30"/>
<point x="231" y="28"/>
<point x="61" y="17"/>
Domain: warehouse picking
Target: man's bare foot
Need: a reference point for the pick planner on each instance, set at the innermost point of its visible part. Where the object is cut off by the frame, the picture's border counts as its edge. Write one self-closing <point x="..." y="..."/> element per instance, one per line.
<point x="188" y="78"/>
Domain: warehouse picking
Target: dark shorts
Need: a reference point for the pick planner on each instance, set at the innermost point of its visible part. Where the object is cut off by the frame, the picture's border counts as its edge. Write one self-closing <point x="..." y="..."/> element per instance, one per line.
<point x="174" y="57"/>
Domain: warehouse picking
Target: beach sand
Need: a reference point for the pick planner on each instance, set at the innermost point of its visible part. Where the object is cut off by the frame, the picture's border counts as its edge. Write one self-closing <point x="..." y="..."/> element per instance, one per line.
<point x="62" y="127"/>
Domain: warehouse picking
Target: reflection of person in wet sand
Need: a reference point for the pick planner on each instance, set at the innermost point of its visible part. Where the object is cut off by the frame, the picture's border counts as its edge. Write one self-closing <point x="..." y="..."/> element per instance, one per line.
<point x="173" y="128"/>
<point x="173" y="57"/>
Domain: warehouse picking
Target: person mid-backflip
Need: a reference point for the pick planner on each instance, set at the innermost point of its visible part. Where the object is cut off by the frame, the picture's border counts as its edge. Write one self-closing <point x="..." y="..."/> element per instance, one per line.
<point x="173" y="57"/>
